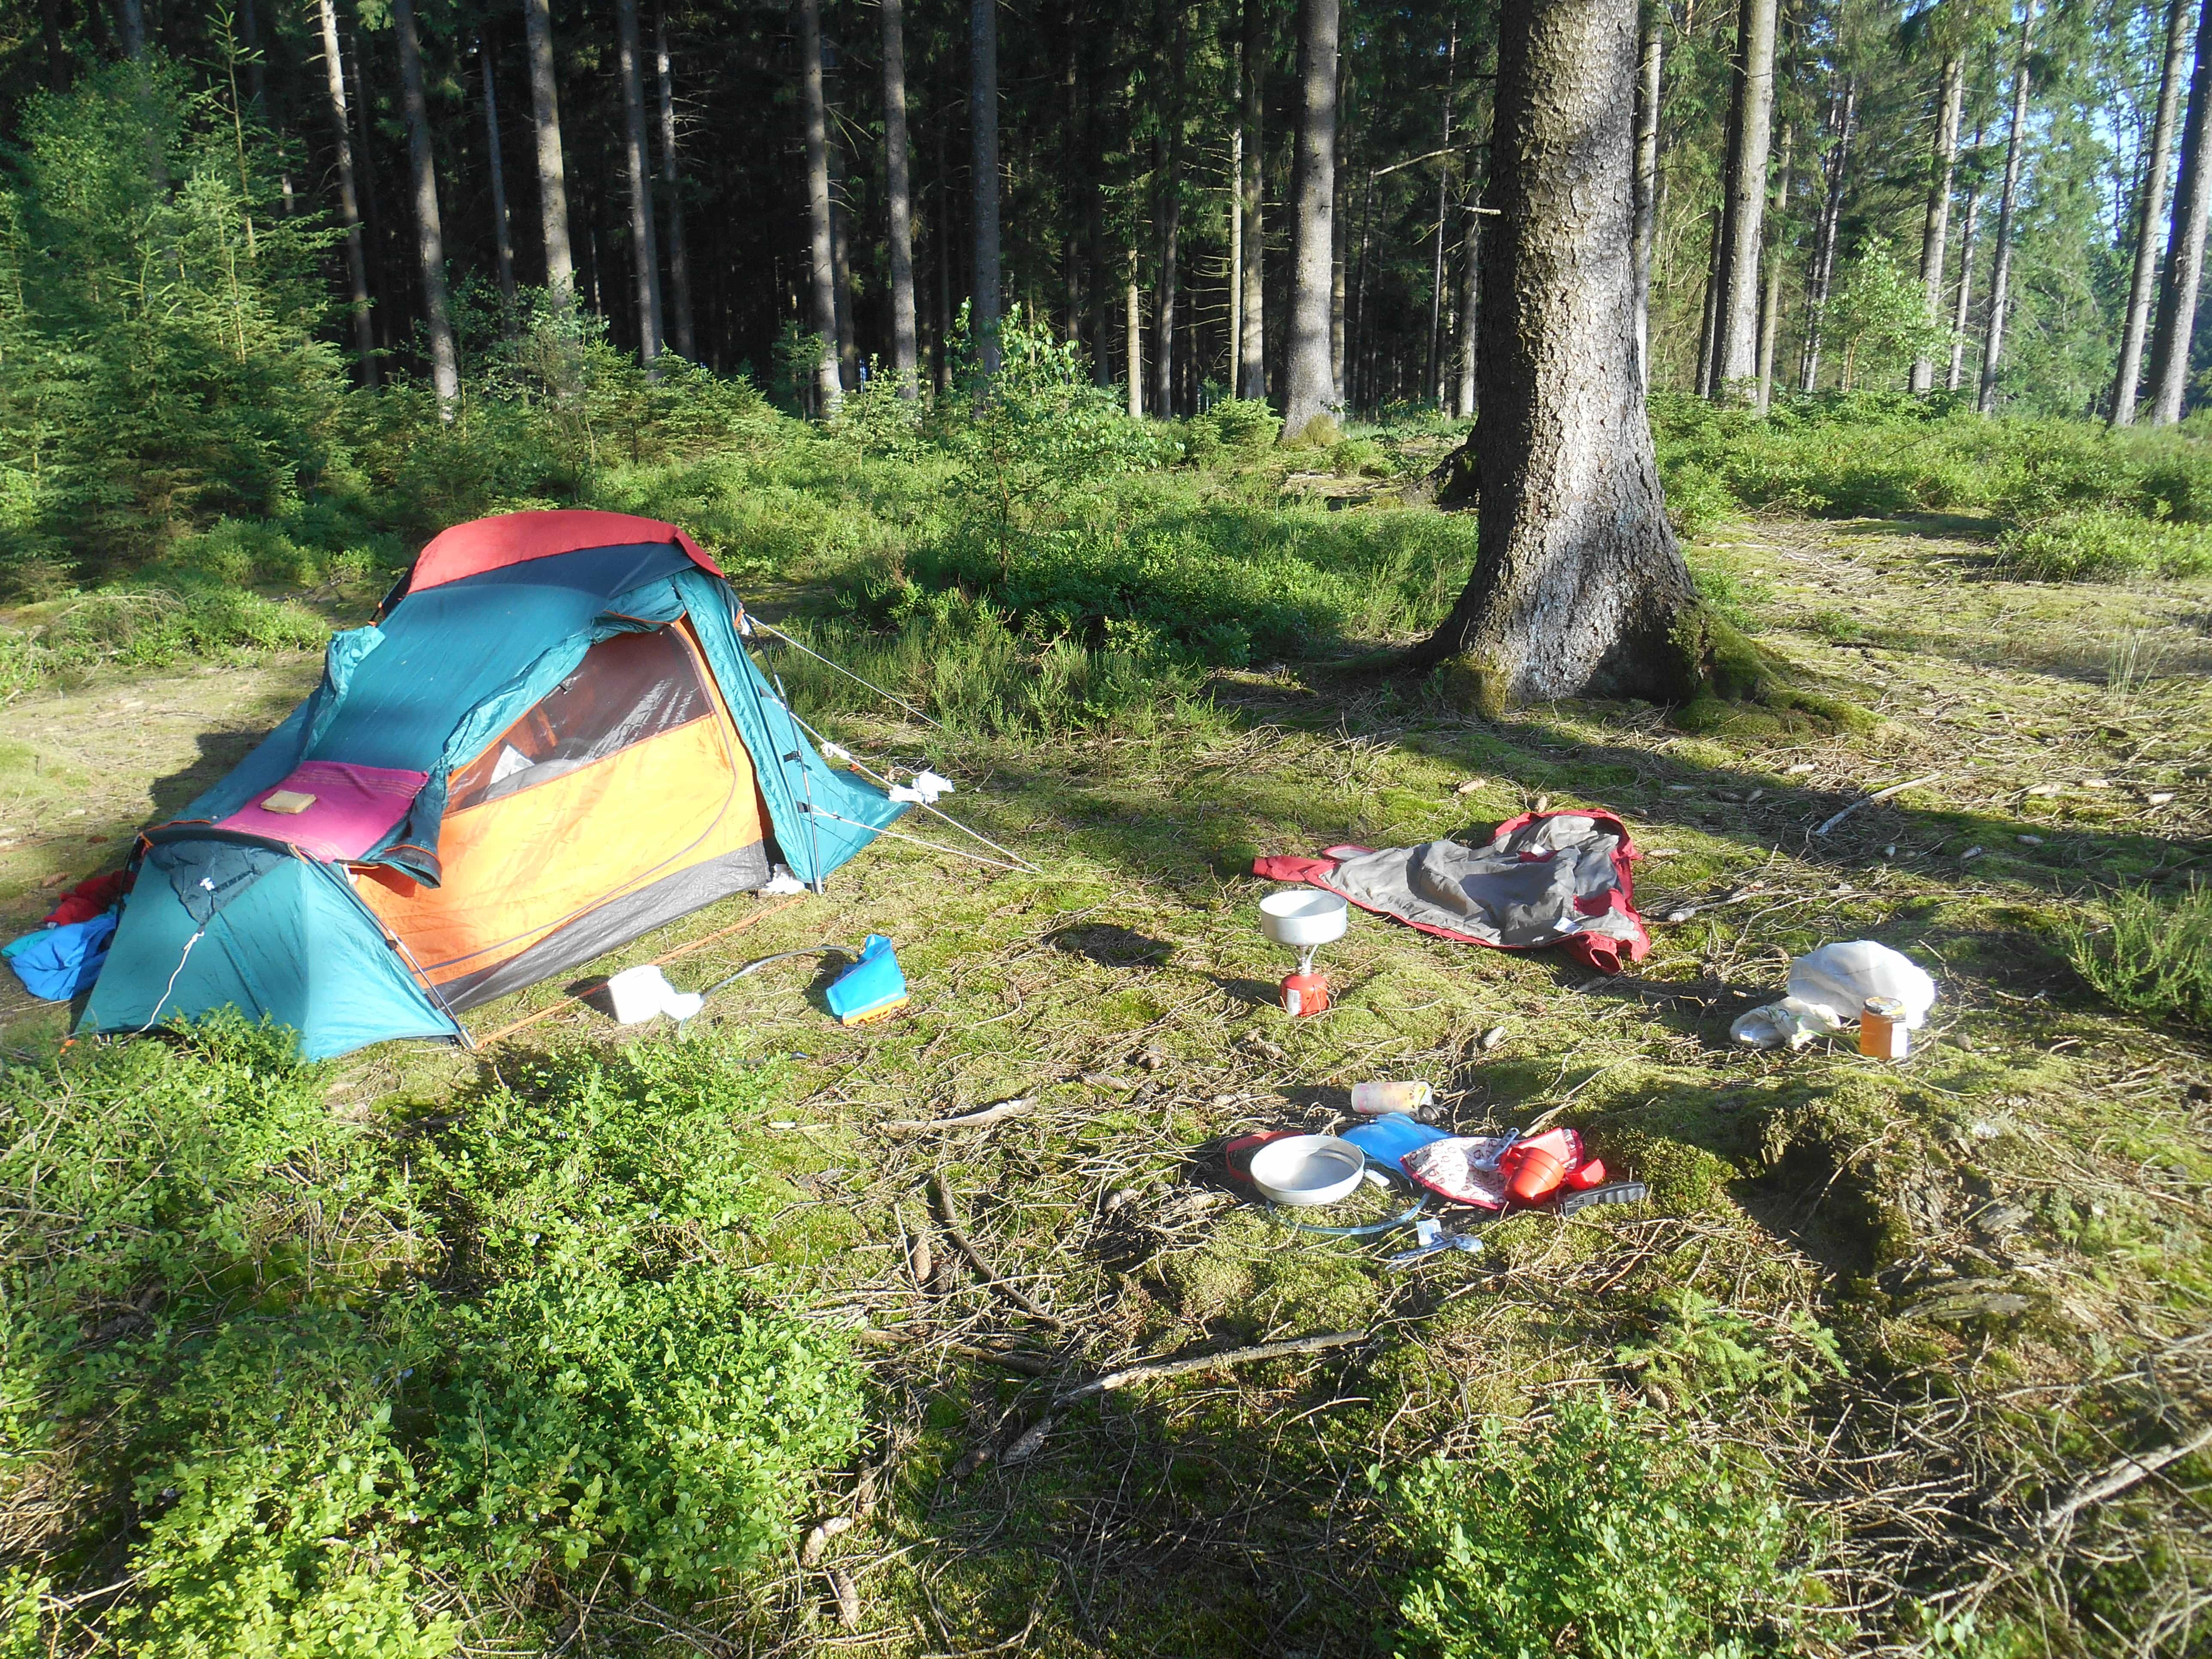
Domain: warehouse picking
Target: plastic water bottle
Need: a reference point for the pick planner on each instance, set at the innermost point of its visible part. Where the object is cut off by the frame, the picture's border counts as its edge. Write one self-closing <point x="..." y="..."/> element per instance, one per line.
<point x="1373" y="1098"/>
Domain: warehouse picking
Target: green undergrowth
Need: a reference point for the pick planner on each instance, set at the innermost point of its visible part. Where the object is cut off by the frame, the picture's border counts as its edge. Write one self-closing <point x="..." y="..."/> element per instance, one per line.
<point x="1596" y="1532"/>
<point x="2150" y="952"/>
<point x="320" y="1386"/>
<point x="2071" y="500"/>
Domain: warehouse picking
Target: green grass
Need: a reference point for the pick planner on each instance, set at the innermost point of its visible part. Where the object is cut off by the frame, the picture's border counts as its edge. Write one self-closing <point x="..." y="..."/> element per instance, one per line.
<point x="2151" y="953"/>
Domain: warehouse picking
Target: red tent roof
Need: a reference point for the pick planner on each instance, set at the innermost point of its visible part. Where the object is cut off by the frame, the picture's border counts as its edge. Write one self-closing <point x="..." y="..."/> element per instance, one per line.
<point x="469" y="549"/>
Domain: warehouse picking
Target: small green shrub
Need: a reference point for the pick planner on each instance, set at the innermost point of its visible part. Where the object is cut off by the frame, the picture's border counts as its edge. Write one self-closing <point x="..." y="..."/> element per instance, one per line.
<point x="1698" y="501"/>
<point x="332" y="1371"/>
<point x="1702" y="1353"/>
<point x="2150" y="954"/>
<point x="1597" y="1534"/>
<point x="2101" y="543"/>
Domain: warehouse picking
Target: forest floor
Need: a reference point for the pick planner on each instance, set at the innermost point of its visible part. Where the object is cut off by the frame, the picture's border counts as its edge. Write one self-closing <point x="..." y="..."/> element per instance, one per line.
<point x="2009" y="1235"/>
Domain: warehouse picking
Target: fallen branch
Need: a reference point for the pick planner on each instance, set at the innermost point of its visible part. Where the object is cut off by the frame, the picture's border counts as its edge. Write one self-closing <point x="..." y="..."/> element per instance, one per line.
<point x="1029" y="1364"/>
<point x="966" y="1246"/>
<point x="1105" y="1382"/>
<point x="1032" y="1439"/>
<point x="1879" y="794"/>
<point x="997" y="1114"/>
<point x="2118" y="1477"/>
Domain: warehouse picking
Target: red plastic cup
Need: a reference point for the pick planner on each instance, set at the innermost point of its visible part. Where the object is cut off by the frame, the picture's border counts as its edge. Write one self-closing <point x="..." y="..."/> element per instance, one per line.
<point x="1536" y="1173"/>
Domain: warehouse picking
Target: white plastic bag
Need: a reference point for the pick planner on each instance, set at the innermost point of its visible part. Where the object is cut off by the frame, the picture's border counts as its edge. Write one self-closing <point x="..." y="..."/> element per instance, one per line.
<point x="641" y="993"/>
<point x="1841" y="978"/>
<point x="922" y="792"/>
<point x="1787" y="1021"/>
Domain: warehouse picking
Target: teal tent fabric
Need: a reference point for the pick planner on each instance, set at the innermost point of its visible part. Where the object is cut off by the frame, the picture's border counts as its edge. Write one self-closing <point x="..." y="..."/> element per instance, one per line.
<point x="293" y="944"/>
<point x="822" y="816"/>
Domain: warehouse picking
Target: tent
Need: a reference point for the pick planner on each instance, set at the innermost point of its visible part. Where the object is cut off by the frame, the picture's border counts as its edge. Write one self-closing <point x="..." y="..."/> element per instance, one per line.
<point x="551" y="740"/>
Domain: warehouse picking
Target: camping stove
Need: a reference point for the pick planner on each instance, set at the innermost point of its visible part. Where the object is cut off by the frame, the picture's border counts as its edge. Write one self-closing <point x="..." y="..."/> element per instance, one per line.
<point x="1304" y="920"/>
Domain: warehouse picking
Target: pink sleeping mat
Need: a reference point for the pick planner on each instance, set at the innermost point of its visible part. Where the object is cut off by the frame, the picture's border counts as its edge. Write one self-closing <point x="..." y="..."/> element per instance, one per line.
<point x="354" y="807"/>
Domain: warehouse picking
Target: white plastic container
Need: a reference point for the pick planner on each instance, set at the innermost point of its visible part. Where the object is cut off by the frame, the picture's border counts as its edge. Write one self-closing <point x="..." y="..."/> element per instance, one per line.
<point x="640" y="993"/>
<point x="1303" y="917"/>
<point x="1303" y="1171"/>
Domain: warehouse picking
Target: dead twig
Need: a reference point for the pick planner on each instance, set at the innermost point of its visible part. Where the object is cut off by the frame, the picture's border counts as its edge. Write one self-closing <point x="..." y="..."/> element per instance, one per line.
<point x="999" y="1114"/>
<point x="1107" y="1381"/>
<point x="2116" y="1477"/>
<point x="1879" y="794"/>
<point x="966" y="1246"/>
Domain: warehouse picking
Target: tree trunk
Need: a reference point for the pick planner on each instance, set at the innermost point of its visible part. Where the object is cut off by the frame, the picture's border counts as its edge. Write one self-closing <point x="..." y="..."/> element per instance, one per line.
<point x="1436" y="375"/>
<point x="829" y="389"/>
<point x="1579" y="588"/>
<point x="1751" y="120"/>
<point x="1135" y="345"/>
<point x="1168" y="165"/>
<point x="1236" y="246"/>
<point x="1770" y="304"/>
<point x="2001" y="270"/>
<point x="2185" y="248"/>
<point x="372" y="215"/>
<point x="249" y="37"/>
<point x="1311" y="392"/>
<point x="1843" y="113"/>
<point x="1963" y="300"/>
<point x="552" y="178"/>
<point x="429" y="231"/>
<point x="671" y="178"/>
<point x="1649" y="51"/>
<point x="1339" y="231"/>
<point x="840" y="270"/>
<point x="134" y="28"/>
<point x="1708" y="333"/>
<point x="905" y="355"/>
<point x="2150" y="214"/>
<point x="983" y="133"/>
<point x="645" y="254"/>
<point x="503" y="235"/>
<point x="1251" y="352"/>
<point x="1942" y="165"/>
<point x="1470" y="297"/>
<point x="364" y="337"/>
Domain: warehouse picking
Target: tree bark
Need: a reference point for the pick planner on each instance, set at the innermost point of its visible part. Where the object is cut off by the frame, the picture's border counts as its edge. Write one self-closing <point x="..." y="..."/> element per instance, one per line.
<point x="841" y="268"/>
<point x="1770" y="303"/>
<point x="1470" y="298"/>
<point x="645" y="253"/>
<point x="1942" y="166"/>
<point x="671" y="178"/>
<point x="364" y="336"/>
<point x="2150" y="214"/>
<point x="1311" y="391"/>
<point x="372" y="215"/>
<point x="829" y="389"/>
<point x="905" y="353"/>
<point x="429" y="230"/>
<point x="552" y="178"/>
<point x="1435" y="385"/>
<point x="1236" y="246"/>
<point x="1963" y="299"/>
<point x="1578" y="586"/>
<point x="1167" y="154"/>
<point x="2185" y="248"/>
<point x="502" y="233"/>
<point x="1649" y="53"/>
<point x="1709" y="333"/>
<point x="2007" y="201"/>
<point x="1135" y="345"/>
<point x="1844" y="112"/>
<point x="249" y="37"/>
<point x="983" y="134"/>
<point x="1751" y="120"/>
<point x="134" y="28"/>
<point x="1251" y="352"/>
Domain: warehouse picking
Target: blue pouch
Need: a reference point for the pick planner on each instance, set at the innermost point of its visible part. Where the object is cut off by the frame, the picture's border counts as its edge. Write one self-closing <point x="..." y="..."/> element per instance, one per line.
<point x="871" y="988"/>
<point x="55" y="963"/>
<point x="1387" y="1139"/>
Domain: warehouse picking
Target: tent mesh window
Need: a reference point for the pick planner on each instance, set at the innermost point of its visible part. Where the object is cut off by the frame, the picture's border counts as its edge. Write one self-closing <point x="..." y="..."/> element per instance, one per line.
<point x="628" y="688"/>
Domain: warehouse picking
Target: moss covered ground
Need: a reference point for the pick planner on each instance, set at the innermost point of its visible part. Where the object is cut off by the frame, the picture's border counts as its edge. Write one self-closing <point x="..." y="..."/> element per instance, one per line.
<point x="1930" y="1305"/>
